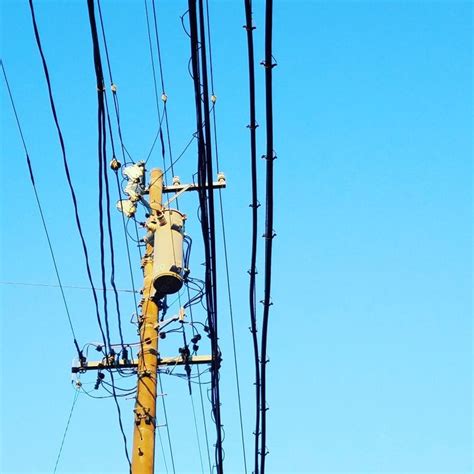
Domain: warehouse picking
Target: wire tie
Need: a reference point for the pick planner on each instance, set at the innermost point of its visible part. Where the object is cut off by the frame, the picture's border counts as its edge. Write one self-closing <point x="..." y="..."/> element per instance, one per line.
<point x="271" y="66"/>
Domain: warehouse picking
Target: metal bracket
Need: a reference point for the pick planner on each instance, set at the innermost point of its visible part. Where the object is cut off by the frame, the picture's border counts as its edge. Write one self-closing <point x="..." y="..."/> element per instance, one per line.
<point x="178" y="188"/>
<point x="133" y="363"/>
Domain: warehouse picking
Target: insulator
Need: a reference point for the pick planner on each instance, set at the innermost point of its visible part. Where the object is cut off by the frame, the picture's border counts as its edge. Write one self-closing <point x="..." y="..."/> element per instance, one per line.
<point x="127" y="207"/>
<point x="115" y="164"/>
<point x="221" y="178"/>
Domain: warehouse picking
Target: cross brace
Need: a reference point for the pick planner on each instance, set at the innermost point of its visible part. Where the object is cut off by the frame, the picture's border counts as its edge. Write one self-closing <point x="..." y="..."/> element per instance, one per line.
<point x="133" y="363"/>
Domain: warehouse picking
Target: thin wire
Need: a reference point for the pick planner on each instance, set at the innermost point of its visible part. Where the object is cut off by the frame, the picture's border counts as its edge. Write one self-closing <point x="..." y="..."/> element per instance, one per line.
<point x="19" y="283"/>
<point x="165" y="105"/>
<point x="40" y="209"/>
<point x="197" y="431"/>
<point x="155" y="85"/>
<point x="200" y="388"/>
<point x="162" y="449"/>
<point x="166" y="422"/>
<point x="76" y="396"/>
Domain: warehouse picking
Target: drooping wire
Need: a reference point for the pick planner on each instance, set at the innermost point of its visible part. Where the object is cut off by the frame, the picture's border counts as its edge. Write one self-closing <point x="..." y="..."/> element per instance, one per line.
<point x="117" y="115"/>
<point x="102" y="169"/>
<point x="66" y="167"/>
<point x="269" y="233"/>
<point x="113" y="88"/>
<point x="206" y="202"/>
<point x="43" y="220"/>
<point x="224" y="239"/>
<point x="254" y="205"/>
<point x="76" y="396"/>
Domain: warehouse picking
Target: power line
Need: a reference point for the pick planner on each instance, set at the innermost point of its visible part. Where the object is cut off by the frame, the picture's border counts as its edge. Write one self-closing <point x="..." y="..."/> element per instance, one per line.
<point x="40" y="209"/>
<point x="76" y="396"/>
<point x="254" y="206"/>
<point x="269" y="233"/>
<point x="103" y="176"/>
<point x="47" y="285"/>
<point x="206" y="202"/>
<point x="66" y="166"/>
<point x="166" y="422"/>
<point x="221" y="207"/>
<point x="164" y="96"/>
<point x="117" y="115"/>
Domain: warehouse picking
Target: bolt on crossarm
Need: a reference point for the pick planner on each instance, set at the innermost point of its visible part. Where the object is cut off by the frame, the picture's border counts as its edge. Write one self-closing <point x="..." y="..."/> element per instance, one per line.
<point x="143" y="455"/>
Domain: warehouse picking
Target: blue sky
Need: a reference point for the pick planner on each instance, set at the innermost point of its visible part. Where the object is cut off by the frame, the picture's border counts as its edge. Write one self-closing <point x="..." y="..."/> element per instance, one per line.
<point x="370" y="332"/>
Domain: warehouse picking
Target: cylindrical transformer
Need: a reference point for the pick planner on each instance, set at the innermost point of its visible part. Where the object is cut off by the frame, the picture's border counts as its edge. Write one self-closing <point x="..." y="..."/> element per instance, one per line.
<point x="168" y="254"/>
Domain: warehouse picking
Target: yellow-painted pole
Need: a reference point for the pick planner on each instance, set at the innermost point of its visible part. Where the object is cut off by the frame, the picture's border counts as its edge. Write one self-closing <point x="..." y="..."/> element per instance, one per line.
<point x="143" y="456"/>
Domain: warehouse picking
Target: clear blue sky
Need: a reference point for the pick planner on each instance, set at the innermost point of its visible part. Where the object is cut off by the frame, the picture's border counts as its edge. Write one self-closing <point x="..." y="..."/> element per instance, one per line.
<point x="370" y="332"/>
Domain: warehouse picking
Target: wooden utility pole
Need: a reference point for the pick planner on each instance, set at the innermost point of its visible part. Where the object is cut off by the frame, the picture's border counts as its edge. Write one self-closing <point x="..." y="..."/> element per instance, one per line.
<point x="168" y="282"/>
<point x="143" y="455"/>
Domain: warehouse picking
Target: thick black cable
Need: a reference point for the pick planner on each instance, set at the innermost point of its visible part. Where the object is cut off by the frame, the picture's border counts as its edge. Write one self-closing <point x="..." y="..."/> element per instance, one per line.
<point x="66" y="167"/>
<point x="269" y="234"/>
<point x="102" y="170"/>
<point x="206" y="201"/>
<point x="254" y="205"/>
<point x="207" y="178"/>
<point x="109" y="224"/>
<point x="113" y="87"/>
<point x="221" y="207"/>
<point x="119" y="128"/>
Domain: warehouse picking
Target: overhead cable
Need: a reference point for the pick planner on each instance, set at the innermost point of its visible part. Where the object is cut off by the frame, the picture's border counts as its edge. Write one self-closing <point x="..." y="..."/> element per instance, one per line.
<point x="269" y="232"/>
<point x="66" y="167"/>
<point x="224" y="238"/>
<point x="254" y="206"/>
<point x="102" y="169"/>
<point x="43" y="220"/>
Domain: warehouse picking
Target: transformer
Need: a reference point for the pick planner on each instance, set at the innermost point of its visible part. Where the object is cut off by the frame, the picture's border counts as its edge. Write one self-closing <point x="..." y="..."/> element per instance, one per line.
<point x="168" y="254"/>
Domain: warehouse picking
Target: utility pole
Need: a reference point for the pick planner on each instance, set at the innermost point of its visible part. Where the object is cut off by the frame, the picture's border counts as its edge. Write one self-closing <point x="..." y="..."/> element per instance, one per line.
<point x="143" y="454"/>
<point x="163" y="274"/>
